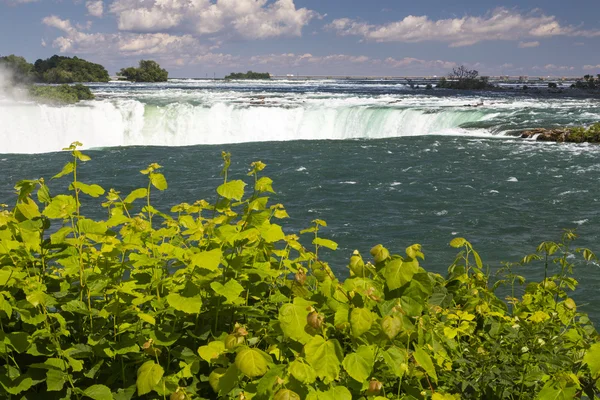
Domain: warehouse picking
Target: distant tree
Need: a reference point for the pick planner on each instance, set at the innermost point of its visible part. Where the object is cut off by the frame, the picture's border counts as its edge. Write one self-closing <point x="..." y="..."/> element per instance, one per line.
<point x="60" y="69"/>
<point x="464" y="79"/>
<point x="249" y="75"/>
<point x="148" y="71"/>
<point x="21" y="71"/>
<point x="552" y="85"/>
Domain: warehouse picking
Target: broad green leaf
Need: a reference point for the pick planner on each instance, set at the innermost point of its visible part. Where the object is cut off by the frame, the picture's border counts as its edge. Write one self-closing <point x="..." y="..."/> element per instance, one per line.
<point x="458" y="242"/>
<point x="61" y="206"/>
<point x="212" y="350"/>
<point x="189" y="305"/>
<point x="98" y="392"/>
<point x="359" y="364"/>
<point x="29" y="208"/>
<point x="148" y="376"/>
<point x="17" y="385"/>
<point x="251" y="362"/>
<point x="292" y="319"/>
<point x="67" y="169"/>
<point x="273" y="234"/>
<point x="335" y="393"/>
<point x="55" y="380"/>
<point x="330" y="244"/>
<point x="136" y="194"/>
<point x="391" y="326"/>
<point x="325" y="357"/>
<point x="231" y="290"/>
<point x="209" y="260"/>
<point x="90" y="190"/>
<point x="396" y="359"/>
<point x="89" y="226"/>
<point x="232" y="190"/>
<point x="286" y="394"/>
<point x="558" y="390"/>
<point x="425" y="362"/>
<point x="398" y="272"/>
<point x="302" y="371"/>
<point x="264" y="184"/>
<point x="361" y="320"/>
<point x="444" y="396"/>
<point x="592" y="360"/>
<point x="158" y="181"/>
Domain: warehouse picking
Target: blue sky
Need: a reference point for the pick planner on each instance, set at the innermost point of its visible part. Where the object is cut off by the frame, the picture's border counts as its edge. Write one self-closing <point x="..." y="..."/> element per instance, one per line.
<point x="195" y="38"/>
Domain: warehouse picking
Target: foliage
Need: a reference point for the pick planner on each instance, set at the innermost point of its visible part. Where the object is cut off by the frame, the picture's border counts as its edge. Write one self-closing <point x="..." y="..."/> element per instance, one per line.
<point x="60" y="69"/>
<point x="588" y="82"/>
<point x="19" y="68"/>
<point x="249" y="75"/>
<point x="148" y="71"/>
<point x="61" y="94"/>
<point x="582" y="134"/>
<point x="214" y="300"/>
<point x="463" y="78"/>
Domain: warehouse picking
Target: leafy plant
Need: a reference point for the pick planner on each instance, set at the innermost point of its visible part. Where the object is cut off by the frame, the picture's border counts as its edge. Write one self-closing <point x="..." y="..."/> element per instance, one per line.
<point x="213" y="299"/>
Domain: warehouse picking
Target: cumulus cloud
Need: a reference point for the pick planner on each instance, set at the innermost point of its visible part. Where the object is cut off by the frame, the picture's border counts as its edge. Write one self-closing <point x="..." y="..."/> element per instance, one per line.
<point x="554" y="68"/>
<point x="499" y="24"/>
<point x="592" y="67"/>
<point x="95" y="8"/>
<point x="528" y="45"/>
<point x="252" y="19"/>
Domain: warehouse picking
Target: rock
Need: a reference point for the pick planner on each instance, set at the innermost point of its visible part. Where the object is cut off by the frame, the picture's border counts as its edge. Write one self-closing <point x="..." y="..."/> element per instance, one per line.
<point x="547" y="135"/>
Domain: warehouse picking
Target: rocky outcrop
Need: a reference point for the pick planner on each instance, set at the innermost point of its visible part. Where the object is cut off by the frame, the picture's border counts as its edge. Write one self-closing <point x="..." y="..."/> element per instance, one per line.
<point x="547" y="135"/>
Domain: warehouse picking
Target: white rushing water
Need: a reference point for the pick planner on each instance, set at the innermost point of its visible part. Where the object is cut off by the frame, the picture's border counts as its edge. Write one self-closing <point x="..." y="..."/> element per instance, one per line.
<point x="193" y="112"/>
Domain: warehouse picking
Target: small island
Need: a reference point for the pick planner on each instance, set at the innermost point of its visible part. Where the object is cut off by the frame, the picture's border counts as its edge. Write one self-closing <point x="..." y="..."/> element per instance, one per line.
<point x="248" y="75"/>
<point x="56" y="69"/>
<point x="462" y="78"/>
<point x="590" y="134"/>
<point x="147" y="71"/>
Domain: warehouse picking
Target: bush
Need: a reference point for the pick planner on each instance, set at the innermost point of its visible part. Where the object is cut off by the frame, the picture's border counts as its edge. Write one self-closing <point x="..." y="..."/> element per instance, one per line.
<point x="148" y="71"/>
<point x="464" y="79"/>
<point x="248" y="75"/>
<point x="214" y="300"/>
<point x="552" y="85"/>
<point x="61" y="94"/>
<point x="20" y="70"/>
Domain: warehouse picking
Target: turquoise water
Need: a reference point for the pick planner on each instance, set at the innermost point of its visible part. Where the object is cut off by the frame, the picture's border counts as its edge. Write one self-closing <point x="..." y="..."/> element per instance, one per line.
<point x="381" y="163"/>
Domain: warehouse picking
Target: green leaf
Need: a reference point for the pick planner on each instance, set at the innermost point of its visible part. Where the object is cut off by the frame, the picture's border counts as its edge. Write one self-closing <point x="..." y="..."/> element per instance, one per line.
<point x="458" y="242"/>
<point x="592" y="360"/>
<point x="231" y="290"/>
<point x="361" y="320"/>
<point x="396" y="360"/>
<point x="292" y="319"/>
<point x="302" y="371"/>
<point x="61" y="206"/>
<point x="158" y="181"/>
<point x="136" y="194"/>
<point x="251" y="363"/>
<point x="273" y="234"/>
<point x="398" y="272"/>
<point x="209" y="260"/>
<point x="55" y="380"/>
<point x="148" y="376"/>
<point x="330" y="244"/>
<point x="359" y="364"/>
<point x="188" y="305"/>
<point x="90" y="190"/>
<point x="424" y="360"/>
<point x="212" y="350"/>
<point x="558" y="390"/>
<point x="325" y="357"/>
<point x="264" y="184"/>
<point x="67" y="169"/>
<point x="89" y="226"/>
<point x="232" y="190"/>
<point x="98" y="392"/>
<point x="228" y="380"/>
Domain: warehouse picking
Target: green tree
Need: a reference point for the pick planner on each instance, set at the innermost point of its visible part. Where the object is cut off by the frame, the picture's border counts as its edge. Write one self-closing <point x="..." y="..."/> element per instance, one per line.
<point x="60" y="69"/>
<point x="148" y="71"/>
<point x="21" y="70"/>
<point x="249" y="75"/>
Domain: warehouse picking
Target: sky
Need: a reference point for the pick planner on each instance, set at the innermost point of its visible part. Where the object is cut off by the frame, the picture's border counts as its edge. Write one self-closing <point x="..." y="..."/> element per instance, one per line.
<point x="200" y="38"/>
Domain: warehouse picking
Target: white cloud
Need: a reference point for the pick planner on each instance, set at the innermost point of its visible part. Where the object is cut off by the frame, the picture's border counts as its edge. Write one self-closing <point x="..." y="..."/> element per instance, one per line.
<point x="252" y="19"/>
<point x="555" y="68"/>
<point x="499" y="24"/>
<point x="95" y="8"/>
<point x="528" y="45"/>
<point x="591" y="67"/>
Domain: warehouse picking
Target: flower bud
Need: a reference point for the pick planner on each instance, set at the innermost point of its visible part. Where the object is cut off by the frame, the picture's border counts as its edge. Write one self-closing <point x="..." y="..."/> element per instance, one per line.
<point x="380" y="253"/>
<point x="357" y="265"/>
<point x="314" y="320"/>
<point x="232" y="341"/>
<point x="285" y="394"/>
<point x="374" y="387"/>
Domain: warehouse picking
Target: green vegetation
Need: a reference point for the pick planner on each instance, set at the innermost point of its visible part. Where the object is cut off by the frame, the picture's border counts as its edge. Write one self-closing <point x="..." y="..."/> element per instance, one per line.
<point x="588" y="82"/>
<point x="61" y="94"/>
<point x="249" y="75"/>
<point x="213" y="299"/>
<point x="148" y="71"/>
<point x="582" y="134"/>
<point x="59" y="69"/>
<point x="464" y="79"/>
<point x="20" y="70"/>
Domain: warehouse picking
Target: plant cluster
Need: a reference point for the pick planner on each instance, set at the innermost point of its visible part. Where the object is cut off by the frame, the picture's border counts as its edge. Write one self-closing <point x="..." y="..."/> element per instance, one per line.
<point x="588" y="82"/>
<point x="60" y="69"/>
<point x="249" y="75"/>
<point x="582" y="134"/>
<point x="462" y="78"/>
<point x="214" y="300"/>
<point x="64" y="94"/>
<point x="148" y="71"/>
